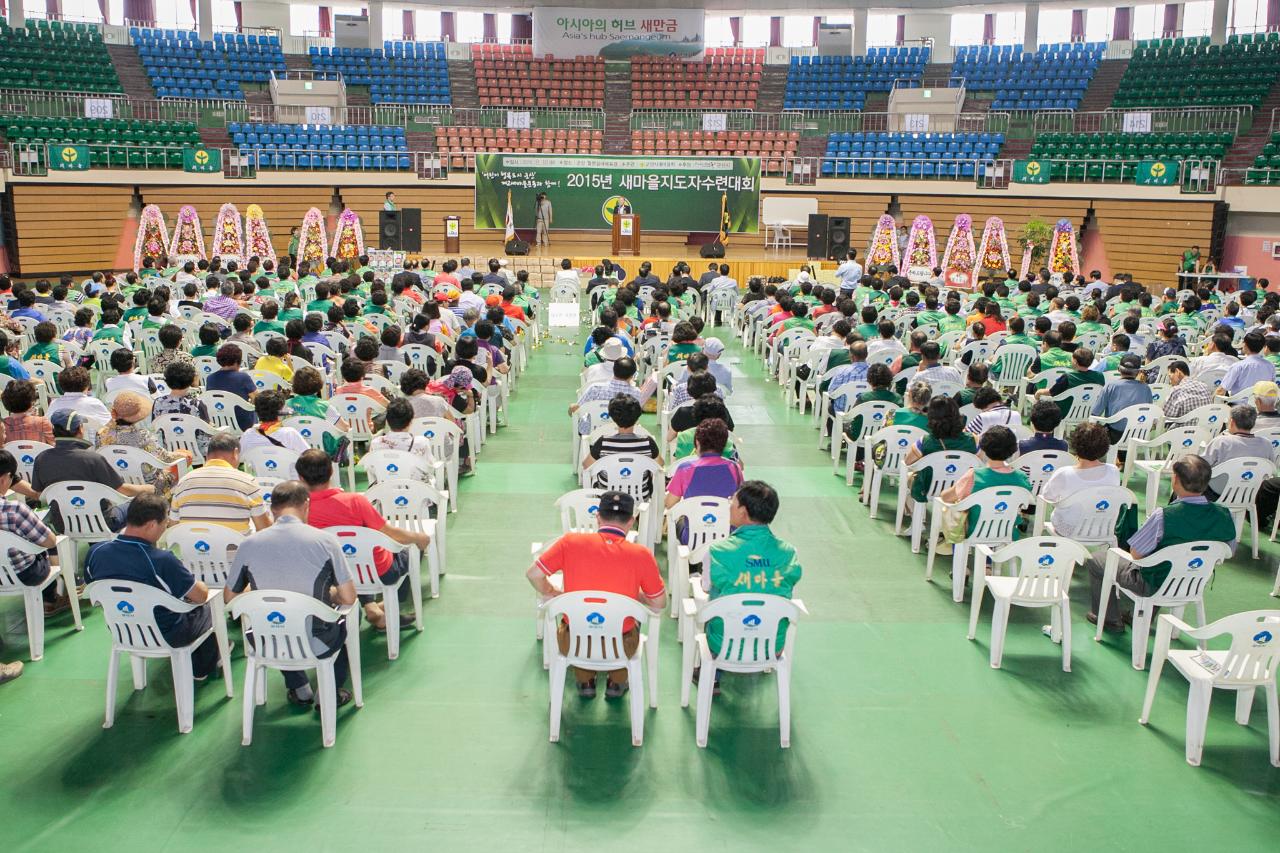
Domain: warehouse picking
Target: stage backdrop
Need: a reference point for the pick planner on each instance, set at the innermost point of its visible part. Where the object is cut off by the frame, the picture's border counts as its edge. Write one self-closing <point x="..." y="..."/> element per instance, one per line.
<point x="617" y="33"/>
<point x="667" y="193"/>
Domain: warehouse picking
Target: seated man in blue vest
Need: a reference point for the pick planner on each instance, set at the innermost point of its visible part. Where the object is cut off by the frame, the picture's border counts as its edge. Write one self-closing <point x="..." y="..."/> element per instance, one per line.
<point x="1189" y="518"/>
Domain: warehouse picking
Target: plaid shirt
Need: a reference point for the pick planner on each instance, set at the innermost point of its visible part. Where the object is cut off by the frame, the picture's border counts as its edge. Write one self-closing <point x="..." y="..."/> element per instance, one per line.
<point x="25" y="426"/>
<point x="856" y="372"/>
<point x="17" y="519"/>
<point x="604" y="391"/>
<point x="1187" y="396"/>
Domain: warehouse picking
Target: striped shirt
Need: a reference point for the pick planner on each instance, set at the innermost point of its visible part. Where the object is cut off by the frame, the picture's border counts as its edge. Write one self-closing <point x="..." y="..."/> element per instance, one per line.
<point x="218" y="494"/>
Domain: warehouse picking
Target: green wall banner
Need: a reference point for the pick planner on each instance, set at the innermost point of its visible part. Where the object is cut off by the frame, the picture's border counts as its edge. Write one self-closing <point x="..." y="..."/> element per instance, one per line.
<point x="201" y="159"/>
<point x="69" y="158"/>
<point x="667" y="193"/>
<point x="1157" y="173"/>
<point x="1030" y="172"/>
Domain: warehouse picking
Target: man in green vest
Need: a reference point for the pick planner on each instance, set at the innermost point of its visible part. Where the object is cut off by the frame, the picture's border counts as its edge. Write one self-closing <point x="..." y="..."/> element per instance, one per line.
<point x="1190" y="518"/>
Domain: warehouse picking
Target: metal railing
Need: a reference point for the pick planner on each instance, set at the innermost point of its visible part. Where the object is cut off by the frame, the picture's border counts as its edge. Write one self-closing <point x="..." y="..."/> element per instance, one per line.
<point x="560" y="118"/>
<point x="39" y="104"/>
<point x="1275" y="119"/>
<point x="236" y="160"/>
<point x="31" y="159"/>
<point x="809" y="122"/>
<point x="392" y="115"/>
<point x="1251" y="176"/>
<point x="1184" y="120"/>
<point x="803" y="170"/>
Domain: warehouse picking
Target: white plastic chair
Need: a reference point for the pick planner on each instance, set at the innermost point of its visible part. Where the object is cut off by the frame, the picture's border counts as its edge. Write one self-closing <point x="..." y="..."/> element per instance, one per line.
<point x="875" y="416"/>
<point x="271" y="461"/>
<point x="1044" y="568"/>
<point x="207" y="550"/>
<point x="1100" y="510"/>
<point x="280" y="623"/>
<point x="182" y="432"/>
<point x="131" y="463"/>
<point x="408" y="504"/>
<point x="1080" y="400"/>
<point x="446" y="444"/>
<point x="1013" y="362"/>
<point x="1192" y="566"/>
<point x="129" y="611"/>
<point x="1240" y="493"/>
<point x="25" y="453"/>
<point x="998" y="508"/>
<point x="1179" y="441"/>
<point x="32" y="596"/>
<point x="383" y="465"/>
<point x="313" y="429"/>
<point x="79" y="504"/>
<point x="595" y="621"/>
<point x="223" y="406"/>
<point x="626" y="472"/>
<point x="708" y="521"/>
<point x="898" y="441"/>
<point x="748" y="645"/>
<point x="1248" y="664"/>
<point x="1140" y="421"/>
<point x="946" y="466"/>
<point x="1212" y="417"/>
<point x="358" y="544"/>
<point x="358" y="410"/>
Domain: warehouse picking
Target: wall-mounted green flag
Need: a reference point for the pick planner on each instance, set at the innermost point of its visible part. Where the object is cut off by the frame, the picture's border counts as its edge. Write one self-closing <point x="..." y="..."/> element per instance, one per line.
<point x="69" y="158"/>
<point x="1030" y="172"/>
<point x="1157" y="173"/>
<point x="201" y="160"/>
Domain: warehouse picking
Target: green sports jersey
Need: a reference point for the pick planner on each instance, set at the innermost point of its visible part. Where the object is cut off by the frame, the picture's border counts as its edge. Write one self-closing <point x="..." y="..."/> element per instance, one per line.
<point x="752" y="560"/>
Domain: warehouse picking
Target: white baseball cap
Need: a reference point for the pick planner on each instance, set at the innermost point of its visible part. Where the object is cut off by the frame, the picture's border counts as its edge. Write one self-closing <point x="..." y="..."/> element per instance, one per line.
<point x="713" y="347"/>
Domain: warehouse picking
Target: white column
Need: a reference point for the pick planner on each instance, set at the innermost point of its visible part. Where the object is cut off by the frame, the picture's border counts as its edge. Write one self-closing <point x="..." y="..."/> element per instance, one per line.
<point x="204" y="19"/>
<point x="17" y="14"/>
<point x="375" y="24"/>
<point x="859" y="32"/>
<point x="1031" y="28"/>
<point x="1218" y="29"/>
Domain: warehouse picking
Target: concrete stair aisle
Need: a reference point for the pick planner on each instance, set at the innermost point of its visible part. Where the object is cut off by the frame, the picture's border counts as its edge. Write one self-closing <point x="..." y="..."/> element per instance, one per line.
<point x="773" y="89"/>
<point x="811" y="146"/>
<point x="1015" y="149"/>
<point x="418" y="140"/>
<point x="1249" y="145"/>
<point x="297" y="62"/>
<point x="617" y="108"/>
<point x="1103" y="86"/>
<point x="215" y="137"/>
<point x="133" y="77"/>
<point x="462" y="84"/>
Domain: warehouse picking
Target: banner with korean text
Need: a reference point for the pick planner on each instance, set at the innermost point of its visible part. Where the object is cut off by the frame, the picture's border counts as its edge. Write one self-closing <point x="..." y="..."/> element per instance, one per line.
<point x="566" y="31"/>
<point x="668" y="193"/>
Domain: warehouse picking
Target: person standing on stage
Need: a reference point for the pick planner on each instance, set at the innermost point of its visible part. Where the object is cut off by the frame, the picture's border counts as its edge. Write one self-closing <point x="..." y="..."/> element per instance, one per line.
<point x="390" y="203"/>
<point x="543" y="217"/>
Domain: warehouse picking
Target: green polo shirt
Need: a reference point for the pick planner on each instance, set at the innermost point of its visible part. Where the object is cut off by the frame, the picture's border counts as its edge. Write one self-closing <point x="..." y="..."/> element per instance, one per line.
<point x="929" y="318"/>
<point x="268" y="326"/>
<point x="321" y="306"/>
<point x="681" y="352"/>
<point x="869" y="331"/>
<point x="951" y="323"/>
<point x="1026" y="340"/>
<point x="135" y="313"/>
<point x="48" y="351"/>
<point x="752" y="560"/>
<point x="797" y="323"/>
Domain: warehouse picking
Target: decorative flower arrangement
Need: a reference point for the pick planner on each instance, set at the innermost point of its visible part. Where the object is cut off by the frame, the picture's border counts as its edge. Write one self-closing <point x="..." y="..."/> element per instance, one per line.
<point x="312" y="239"/>
<point x="188" y="237"/>
<point x="884" y="243"/>
<point x="348" y="242"/>
<point x="957" y="261"/>
<point x="1028" y="252"/>
<point x="994" y="251"/>
<point x="1063" y="257"/>
<point x="228" y="234"/>
<point x="256" y="236"/>
<point x="153" y="236"/>
<point x="922" y="249"/>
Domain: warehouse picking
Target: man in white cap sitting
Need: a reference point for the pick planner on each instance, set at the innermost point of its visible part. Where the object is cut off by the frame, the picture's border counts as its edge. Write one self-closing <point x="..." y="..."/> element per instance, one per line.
<point x="1266" y="396"/>
<point x="610" y="351"/>
<point x="713" y="348"/>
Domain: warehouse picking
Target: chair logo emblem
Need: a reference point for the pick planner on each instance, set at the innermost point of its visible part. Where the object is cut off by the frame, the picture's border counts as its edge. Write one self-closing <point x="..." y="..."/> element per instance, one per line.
<point x="594" y="618"/>
<point x="1262" y="638"/>
<point x="1046" y="560"/>
<point x="122" y="463"/>
<point x="902" y="442"/>
<point x="1048" y="468"/>
<point x="1247" y="475"/>
<point x="202" y="546"/>
<point x="219" y="406"/>
<point x="1102" y="505"/>
<point x="266" y="496"/>
<point x="77" y="502"/>
<point x="431" y="434"/>
<point x="28" y="459"/>
<point x="306" y="432"/>
<point x="124" y="607"/>
<point x="275" y="617"/>
<point x="709" y="518"/>
<point x="178" y="430"/>
<point x="271" y="464"/>
<point x="351" y="409"/>
<point x="1186" y="442"/>
<point x="593" y="509"/>
<point x="751" y="621"/>
<point x="1142" y="419"/>
<point x="625" y="472"/>
<point x="1195" y="563"/>
<point x="393" y="468"/>
<point x="951" y="469"/>
<point x="348" y="549"/>
<point x="402" y="501"/>
<point x="1002" y="506"/>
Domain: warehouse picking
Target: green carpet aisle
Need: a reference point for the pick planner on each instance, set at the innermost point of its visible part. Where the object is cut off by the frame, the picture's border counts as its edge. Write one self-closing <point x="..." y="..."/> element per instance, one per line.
<point x="903" y="737"/>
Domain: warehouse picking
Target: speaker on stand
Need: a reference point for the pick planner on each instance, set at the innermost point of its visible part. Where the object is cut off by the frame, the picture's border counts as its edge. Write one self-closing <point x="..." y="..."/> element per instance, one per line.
<point x="411" y="229"/>
<point x="817" y="236"/>
<point x="390" y="232"/>
<point x="837" y="237"/>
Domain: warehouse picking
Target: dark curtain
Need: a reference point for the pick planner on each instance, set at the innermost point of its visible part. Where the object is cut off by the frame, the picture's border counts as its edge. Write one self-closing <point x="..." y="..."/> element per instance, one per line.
<point x="326" y="21"/>
<point x="1077" y="25"/>
<point x="103" y="7"/>
<point x="1170" y="20"/>
<point x="1273" y="14"/>
<point x="735" y="27"/>
<point x="988" y="28"/>
<point x="448" y="26"/>
<point x="195" y="14"/>
<point x="140" y="12"/>
<point x="410" y="23"/>
<point x="53" y="9"/>
<point x="816" y="26"/>
<point x="775" y="31"/>
<point x="239" y="10"/>
<point x="1122" y="30"/>
<point x="901" y="35"/>
<point x="521" y="27"/>
<point x="490" y="26"/>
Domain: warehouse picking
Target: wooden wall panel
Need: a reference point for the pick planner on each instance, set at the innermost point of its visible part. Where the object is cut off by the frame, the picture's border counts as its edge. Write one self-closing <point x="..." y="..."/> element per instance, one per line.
<point x="284" y="207"/>
<point x="863" y="209"/>
<point x="1147" y="238"/>
<point x="68" y="227"/>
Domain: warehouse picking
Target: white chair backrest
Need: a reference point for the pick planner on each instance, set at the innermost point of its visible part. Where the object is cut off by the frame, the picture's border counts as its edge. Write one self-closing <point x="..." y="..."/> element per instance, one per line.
<point x="205" y="365"/>
<point x="1098" y="511"/>
<point x="265" y="380"/>
<point x="946" y="467"/>
<point x="595" y="621"/>
<point x="131" y="462"/>
<point x="129" y="609"/>
<point x="1191" y="568"/>
<point x="998" y="512"/>
<point x="1139" y="422"/>
<point x="1213" y="378"/>
<point x="401" y="500"/>
<point x="1045" y="565"/>
<point x="751" y="623"/>
<point x="1244" y="478"/>
<point x="271" y="461"/>
<point x="358" y="411"/>
<point x="281" y="623"/>
<point x="578" y="510"/>
<point x="1013" y="360"/>
<point x="898" y="441"/>
<point x="445" y="436"/>
<point x="875" y="414"/>
<point x="1272" y="435"/>
<point x="1039" y="466"/>
<point x="1255" y="647"/>
<point x="626" y="472"/>
<point x="25" y="452"/>
<point x="183" y="432"/>
<point x="592" y="416"/>
<point x="9" y="575"/>
<point x="707" y="517"/>
<point x="384" y="465"/>
<point x="358" y="544"/>
<point x="979" y="350"/>
<point x="205" y="549"/>
<point x="1212" y="416"/>
<point x="79" y="503"/>
<point x="1159" y="393"/>
<point x="312" y="429"/>
<point x="43" y="370"/>
<point x="1080" y="400"/>
<point x="222" y="406"/>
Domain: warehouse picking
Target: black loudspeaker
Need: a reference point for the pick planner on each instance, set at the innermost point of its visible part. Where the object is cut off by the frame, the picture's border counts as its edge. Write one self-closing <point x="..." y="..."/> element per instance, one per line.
<point x="817" y="235"/>
<point x="516" y="246"/>
<point x="714" y="249"/>
<point x="390" y="233"/>
<point x="411" y="229"/>
<point x="837" y="237"/>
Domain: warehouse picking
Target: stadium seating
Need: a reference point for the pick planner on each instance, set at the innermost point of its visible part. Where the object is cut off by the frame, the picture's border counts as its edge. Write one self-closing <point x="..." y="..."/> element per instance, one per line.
<point x="303" y="146"/>
<point x="727" y="79"/>
<point x="770" y="145"/>
<point x="508" y="75"/>
<point x="1055" y="77"/>
<point x="54" y="55"/>
<point x="399" y="73"/>
<point x="841" y="82"/>
<point x="182" y="66"/>
<point x="1266" y="166"/>
<point x="457" y="142"/>
<point x="1131" y="146"/>
<point x="905" y="154"/>
<point x="112" y="142"/>
<point x="1191" y="72"/>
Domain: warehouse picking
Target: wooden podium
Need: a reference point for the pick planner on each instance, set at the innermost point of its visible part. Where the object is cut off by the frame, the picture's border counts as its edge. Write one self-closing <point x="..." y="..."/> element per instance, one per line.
<point x="452" y="230"/>
<point x="626" y="234"/>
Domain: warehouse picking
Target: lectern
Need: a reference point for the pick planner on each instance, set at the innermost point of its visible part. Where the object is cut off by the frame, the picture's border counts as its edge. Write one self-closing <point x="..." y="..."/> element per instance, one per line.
<point x="452" y="230"/>
<point x="626" y="234"/>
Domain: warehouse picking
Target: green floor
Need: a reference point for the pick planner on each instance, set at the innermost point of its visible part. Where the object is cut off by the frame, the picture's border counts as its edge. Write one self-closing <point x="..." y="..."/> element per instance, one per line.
<point x="903" y="737"/>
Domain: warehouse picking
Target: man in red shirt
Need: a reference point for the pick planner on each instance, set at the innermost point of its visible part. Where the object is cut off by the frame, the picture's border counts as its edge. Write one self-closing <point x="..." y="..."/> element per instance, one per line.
<point x="331" y="507"/>
<point x="509" y="307"/>
<point x="603" y="561"/>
